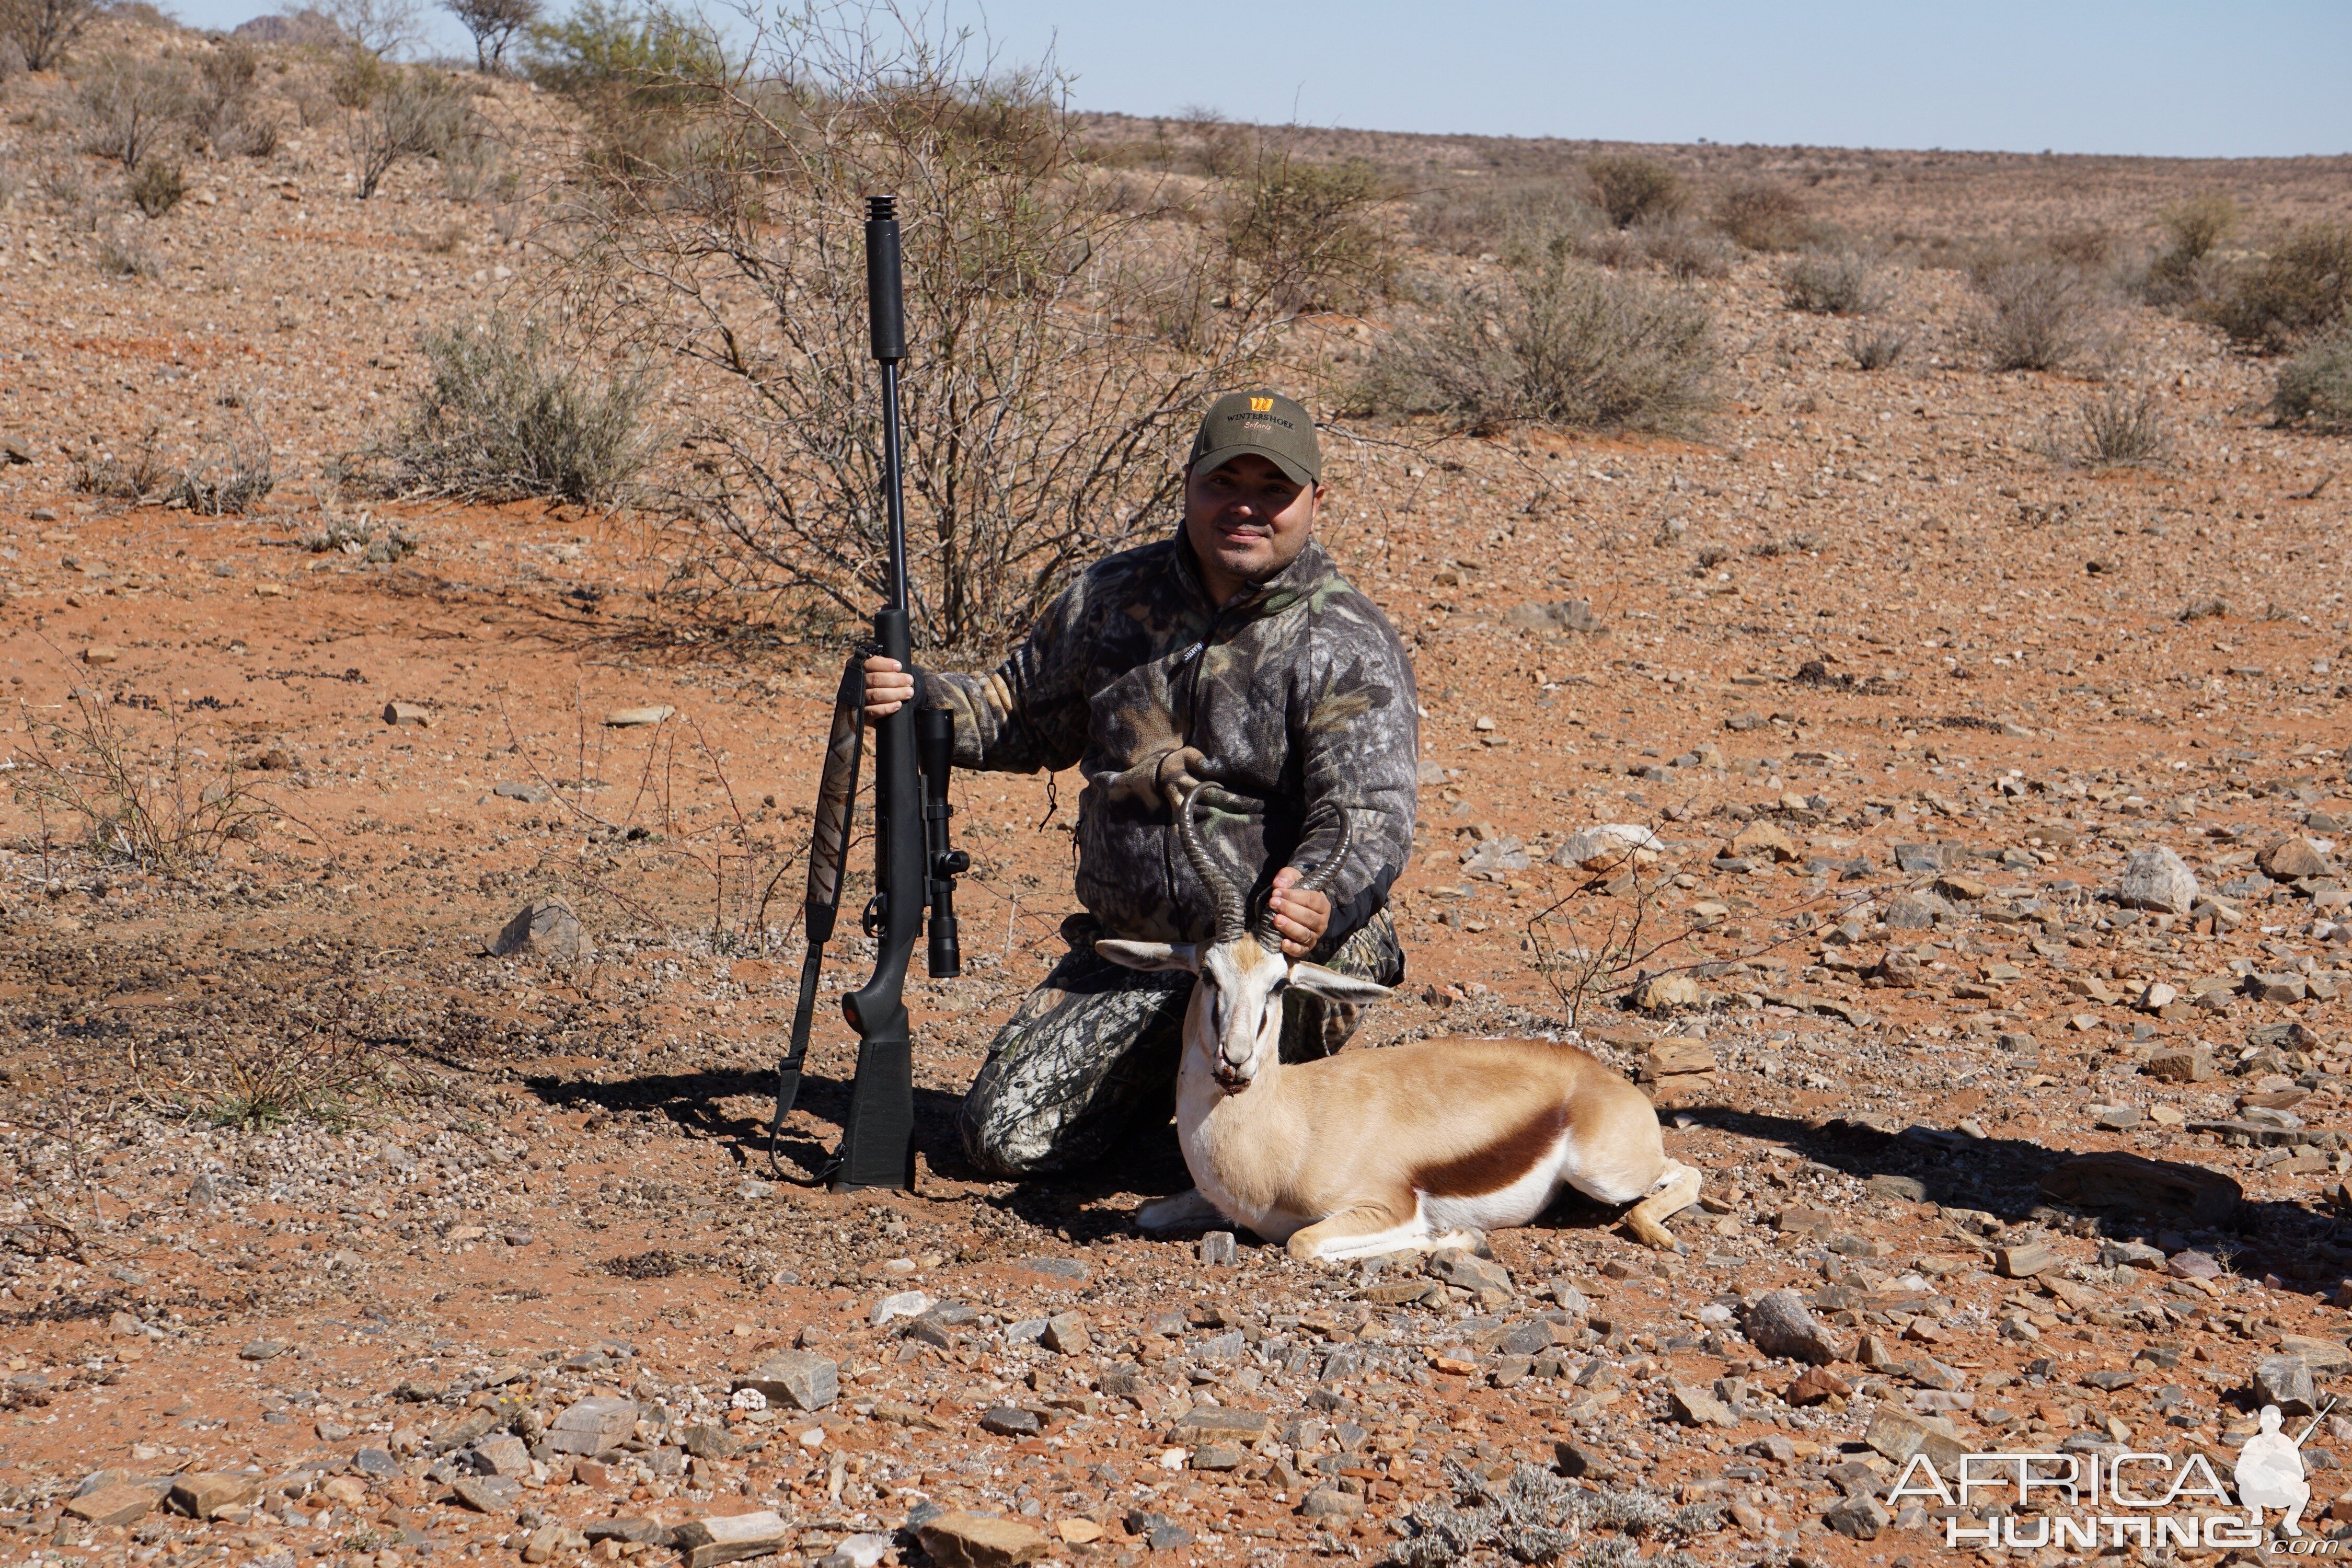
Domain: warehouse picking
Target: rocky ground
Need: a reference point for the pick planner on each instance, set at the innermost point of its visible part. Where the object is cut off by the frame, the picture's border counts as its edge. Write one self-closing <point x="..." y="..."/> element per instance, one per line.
<point x="1995" y="955"/>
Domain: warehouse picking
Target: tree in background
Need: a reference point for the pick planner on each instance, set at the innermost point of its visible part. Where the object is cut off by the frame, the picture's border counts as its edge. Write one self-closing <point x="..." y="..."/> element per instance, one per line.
<point x="494" y="24"/>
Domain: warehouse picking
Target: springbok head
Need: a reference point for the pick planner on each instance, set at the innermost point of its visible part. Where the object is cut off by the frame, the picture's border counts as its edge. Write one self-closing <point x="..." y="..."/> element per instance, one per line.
<point x="1236" y="1017"/>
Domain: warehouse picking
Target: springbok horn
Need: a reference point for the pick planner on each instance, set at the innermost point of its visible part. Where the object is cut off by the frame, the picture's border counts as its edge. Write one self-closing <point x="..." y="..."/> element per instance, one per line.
<point x="1231" y="921"/>
<point x="1315" y="882"/>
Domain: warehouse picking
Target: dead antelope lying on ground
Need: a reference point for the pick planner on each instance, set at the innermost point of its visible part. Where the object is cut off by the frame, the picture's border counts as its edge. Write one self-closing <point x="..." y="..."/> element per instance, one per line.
<point x="1374" y="1150"/>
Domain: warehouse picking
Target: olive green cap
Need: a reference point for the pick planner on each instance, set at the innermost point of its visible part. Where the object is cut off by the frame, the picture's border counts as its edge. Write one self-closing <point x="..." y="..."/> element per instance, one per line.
<point x="1264" y="422"/>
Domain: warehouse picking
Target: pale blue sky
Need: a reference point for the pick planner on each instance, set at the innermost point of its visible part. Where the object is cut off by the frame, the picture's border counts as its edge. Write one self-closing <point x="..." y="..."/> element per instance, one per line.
<point x="2257" y="77"/>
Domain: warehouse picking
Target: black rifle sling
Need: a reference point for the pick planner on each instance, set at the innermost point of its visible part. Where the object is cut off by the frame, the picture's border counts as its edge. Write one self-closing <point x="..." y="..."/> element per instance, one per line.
<point x="828" y="856"/>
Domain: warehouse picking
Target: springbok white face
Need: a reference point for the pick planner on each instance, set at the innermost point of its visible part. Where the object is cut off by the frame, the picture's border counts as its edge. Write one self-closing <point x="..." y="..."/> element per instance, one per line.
<point x="1234" y="1020"/>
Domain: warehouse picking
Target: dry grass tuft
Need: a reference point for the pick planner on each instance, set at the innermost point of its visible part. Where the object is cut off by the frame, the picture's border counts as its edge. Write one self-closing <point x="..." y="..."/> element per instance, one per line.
<point x="147" y="798"/>
<point x="2040" y="314"/>
<point x="2315" y="387"/>
<point x="1834" y="283"/>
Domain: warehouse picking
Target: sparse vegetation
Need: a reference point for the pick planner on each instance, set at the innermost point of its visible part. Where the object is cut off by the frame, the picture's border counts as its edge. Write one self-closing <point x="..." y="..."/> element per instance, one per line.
<point x="2038" y="316"/>
<point x="1561" y="343"/>
<point x="508" y="414"/>
<point x="100" y="472"/>
<point x="1510" y="219"/>
<point x="634" y="70"/>
<point x="1630" y="188"/>
<point x="418" y="111"/>
<point x="2315" y="387"/>
<point x="123" y="252"/>
<point x="1834" y="283"/>
<point x="221" y="109"/>
<point x="1763" y="215"/>
<point x="229" y="477"/>
<point x="2186" y="270"/>
<point x="150" y="799"/>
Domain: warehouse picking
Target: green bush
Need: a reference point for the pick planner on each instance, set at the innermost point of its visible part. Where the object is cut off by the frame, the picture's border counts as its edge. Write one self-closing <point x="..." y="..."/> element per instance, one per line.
<point x="613" y="57"/>
<point x="1631" y="188"/>
<point x="2315" y="387"/>
<point x="508" y="415"/>
<point x="2299" y="288"/>
<point x="1562" y="342"/>
<point x="1311" y="232"/>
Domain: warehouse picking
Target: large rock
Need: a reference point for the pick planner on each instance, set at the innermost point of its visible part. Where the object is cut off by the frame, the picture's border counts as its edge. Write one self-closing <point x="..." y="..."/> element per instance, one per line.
<point x="544" y="927"/>
<point x="201" y="1494"/>
<point x="2292" y="859"/>
<point x="732" y="1538"/>
<point x="804" y="1380"/>
<point x="2286" y="1381"/>
<point x="1915" y="912"/>
<point x="2156" y="879"/>
<point x="1665" y="992"/>
<point x="2190" y="1196"/>
<point x="1764" y="840"/>
<point x="1608" y="847"/>
<point x="962" y="1539"/>
<point x="124" y="1502"/>
<point x="591" y="1426"/>
<point x="1778" y="1323"/>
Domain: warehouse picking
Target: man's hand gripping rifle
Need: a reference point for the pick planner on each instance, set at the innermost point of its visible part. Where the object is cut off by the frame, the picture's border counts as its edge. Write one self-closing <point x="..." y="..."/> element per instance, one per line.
<point x="913" y="862"/>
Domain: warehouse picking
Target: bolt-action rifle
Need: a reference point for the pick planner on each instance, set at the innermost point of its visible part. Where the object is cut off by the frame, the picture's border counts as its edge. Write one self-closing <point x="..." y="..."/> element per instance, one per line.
<point x="913" y="866"/>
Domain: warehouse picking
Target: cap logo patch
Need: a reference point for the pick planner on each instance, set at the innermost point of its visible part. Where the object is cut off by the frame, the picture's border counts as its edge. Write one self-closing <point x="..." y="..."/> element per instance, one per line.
<point x="1261" y="406"/>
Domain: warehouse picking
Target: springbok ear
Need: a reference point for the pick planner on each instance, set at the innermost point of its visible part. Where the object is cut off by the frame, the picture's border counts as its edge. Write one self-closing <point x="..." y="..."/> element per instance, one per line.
<point x="1152" y="957"/>
<point x="1332" y="985"/>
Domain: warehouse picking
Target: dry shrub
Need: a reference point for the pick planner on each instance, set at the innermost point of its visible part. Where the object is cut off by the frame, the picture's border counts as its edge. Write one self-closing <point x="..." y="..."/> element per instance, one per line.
<point x="221" y="108"/>
<point x="158" y="186"/>
<point x="130" y="106"/>
<point x="1763" y="215"/>
<point x="227" y="479"/>
<point x="2315" y="387"/>
<point x="2299" y="288"/>
<point x="42" y="29"/>
<point x="1630" y="188"/>
<point x="2185" y="270"/>
<point x="1311" y="233"/>
<point x="2122" y="428"/>
<point x="1682" y="249"/>
<point x="416" y="112"/>
<point x="1560" y="341"/>
<point x="1060" y="349"/>
<point x="637" y="70"/>
<point x="510" y="414"/>
<point x="124" y="253"/>
<point x="2039" y="313"/>
<point x="1834" y="283"/>
<point x="1511" y="218"/>
<point x="1877" y="350"/>
<point x="146" y="798"/>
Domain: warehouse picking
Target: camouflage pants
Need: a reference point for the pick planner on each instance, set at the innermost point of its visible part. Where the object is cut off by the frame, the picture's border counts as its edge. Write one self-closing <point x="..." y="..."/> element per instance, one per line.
<point x="1093" y="1051"/>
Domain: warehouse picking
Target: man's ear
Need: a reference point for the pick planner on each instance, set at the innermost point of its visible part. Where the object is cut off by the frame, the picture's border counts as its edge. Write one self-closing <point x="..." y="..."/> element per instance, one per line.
<point x="1332" y="985"/>
<point x="1152" y="957"/>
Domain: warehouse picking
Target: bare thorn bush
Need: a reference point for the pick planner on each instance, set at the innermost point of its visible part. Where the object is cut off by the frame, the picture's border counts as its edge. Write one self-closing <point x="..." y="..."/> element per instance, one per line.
<point x="2039" y="314"/>
<point x="1557" y="341"/>
<point x="147" y="796"/>
<point x="131" y="107"/>
<point x="101" y="473"/>
<point x="418" y="111"/>
<point x="1630" y="188"/>
<point x="1763" y="215"/>
<point x="1834" y="283"/>
<point x="2315" y="387"/>
<point x="1059" y="348"/>
<point x="42" y="30"/>
<point x="509" y="412"/>
<point x="228" y="478"/>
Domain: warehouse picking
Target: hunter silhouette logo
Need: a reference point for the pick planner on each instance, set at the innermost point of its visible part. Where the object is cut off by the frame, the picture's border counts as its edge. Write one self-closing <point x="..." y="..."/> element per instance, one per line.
<point x="1261" y="406"/>
<point x="2085" y="1501"/>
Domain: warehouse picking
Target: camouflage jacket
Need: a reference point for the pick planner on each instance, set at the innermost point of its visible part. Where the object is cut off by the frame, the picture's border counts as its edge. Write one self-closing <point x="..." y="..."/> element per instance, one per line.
<point x="1297" y="698"/>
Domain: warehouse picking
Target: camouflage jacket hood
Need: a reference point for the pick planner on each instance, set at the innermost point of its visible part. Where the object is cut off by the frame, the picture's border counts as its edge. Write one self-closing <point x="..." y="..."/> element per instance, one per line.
<point x="1297" y="697"/>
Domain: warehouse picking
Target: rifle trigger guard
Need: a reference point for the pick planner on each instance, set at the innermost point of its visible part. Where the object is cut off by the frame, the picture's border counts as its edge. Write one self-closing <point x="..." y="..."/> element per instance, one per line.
<point x="878" y="909"/>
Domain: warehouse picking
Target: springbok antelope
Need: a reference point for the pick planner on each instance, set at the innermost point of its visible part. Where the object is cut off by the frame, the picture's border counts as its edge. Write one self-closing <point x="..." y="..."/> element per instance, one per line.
<point x="1380" y="1151"/>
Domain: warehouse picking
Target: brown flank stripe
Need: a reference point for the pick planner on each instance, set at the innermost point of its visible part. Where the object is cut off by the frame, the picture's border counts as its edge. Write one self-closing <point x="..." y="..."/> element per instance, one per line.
<point x="1497" y="1165"/>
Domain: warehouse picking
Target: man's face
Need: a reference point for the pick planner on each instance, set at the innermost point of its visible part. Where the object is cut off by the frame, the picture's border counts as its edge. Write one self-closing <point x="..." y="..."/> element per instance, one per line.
<point x="1246" y="521"/>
